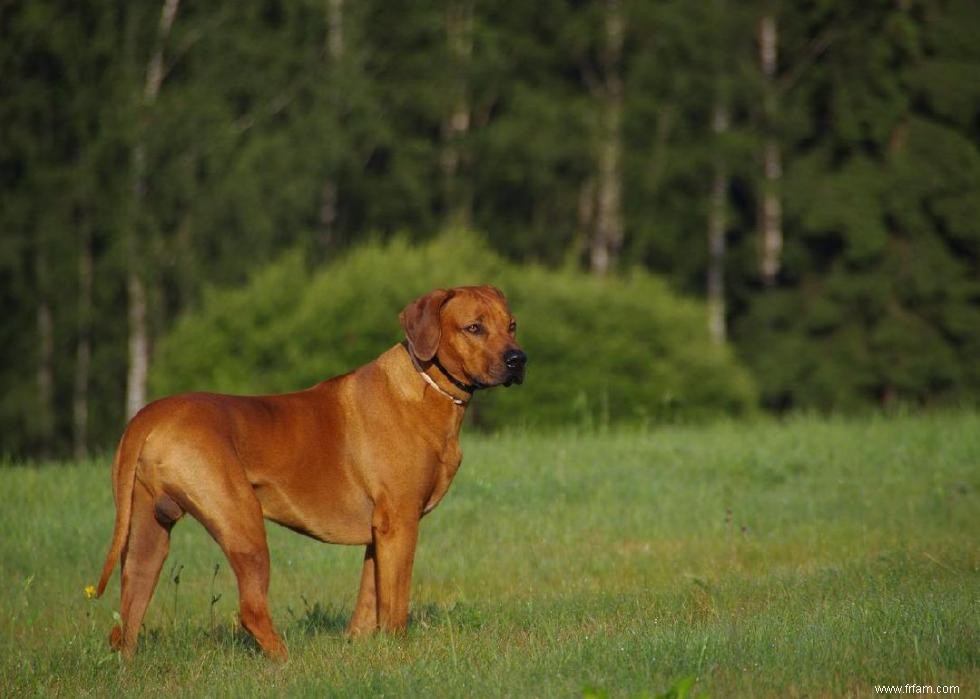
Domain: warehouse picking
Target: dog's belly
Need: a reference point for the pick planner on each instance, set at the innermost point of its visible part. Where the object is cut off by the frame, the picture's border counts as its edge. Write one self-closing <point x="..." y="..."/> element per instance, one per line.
<point x="336" y="518"/>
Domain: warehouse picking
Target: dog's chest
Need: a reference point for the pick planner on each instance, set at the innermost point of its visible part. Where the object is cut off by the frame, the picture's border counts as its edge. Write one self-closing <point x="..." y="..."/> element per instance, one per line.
<point x="447" y="464"/>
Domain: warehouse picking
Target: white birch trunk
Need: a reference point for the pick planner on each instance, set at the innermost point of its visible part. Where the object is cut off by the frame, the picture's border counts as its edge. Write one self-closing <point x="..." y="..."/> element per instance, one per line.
<point x="335" y="29"/>
<point x="716" y="231"/>
<point x="139" y="340"/>
<point x="770" y="206"/>
<point x="335" y="53"/>
<point x="457" y="195"/>
<point x="83" y="350"/>
<point x="139" y="345"/>
<point x="45" y="357"/>
<point x="607" y="238"/>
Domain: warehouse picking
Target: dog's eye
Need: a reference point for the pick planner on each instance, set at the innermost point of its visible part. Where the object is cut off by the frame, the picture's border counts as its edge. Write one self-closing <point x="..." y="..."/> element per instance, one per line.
<point x="474" y="328"/>
<point x="513" y="327"/>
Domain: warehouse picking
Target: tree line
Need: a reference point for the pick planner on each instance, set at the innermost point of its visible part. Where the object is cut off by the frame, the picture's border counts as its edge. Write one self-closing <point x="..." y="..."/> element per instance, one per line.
<point x="810" y="169"/>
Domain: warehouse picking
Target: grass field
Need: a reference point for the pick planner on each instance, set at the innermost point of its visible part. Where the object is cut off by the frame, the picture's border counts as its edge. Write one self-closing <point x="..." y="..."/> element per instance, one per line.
<point x="806" y="558"/>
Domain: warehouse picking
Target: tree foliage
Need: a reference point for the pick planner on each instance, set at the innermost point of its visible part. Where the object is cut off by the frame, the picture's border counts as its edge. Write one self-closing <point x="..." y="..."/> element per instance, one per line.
<point x="317" y="126"/>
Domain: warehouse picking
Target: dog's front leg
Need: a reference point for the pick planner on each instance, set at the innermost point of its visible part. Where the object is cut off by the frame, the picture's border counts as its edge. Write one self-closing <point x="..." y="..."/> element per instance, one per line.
<point x="395" y="534"/>
<point x="365" y="618"/>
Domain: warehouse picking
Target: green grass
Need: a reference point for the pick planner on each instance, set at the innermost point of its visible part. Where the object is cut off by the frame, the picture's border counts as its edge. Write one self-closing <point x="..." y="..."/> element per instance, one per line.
<point x="808" y="558"/>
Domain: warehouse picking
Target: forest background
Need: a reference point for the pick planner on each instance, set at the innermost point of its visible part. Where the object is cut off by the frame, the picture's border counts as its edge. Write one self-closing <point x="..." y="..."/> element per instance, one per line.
<point x="781" y="197"/>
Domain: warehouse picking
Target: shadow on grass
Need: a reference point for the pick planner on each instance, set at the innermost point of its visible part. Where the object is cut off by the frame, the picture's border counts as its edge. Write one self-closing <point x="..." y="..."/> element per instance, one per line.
<point x="225" y="637"/>
<point x="317" y="619"/>
<point x="460" y="615"/>
<point x="232" y="638"/>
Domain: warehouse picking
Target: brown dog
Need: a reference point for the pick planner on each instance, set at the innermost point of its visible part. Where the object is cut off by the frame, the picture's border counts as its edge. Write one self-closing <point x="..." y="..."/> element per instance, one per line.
<point x="357" y="459"/>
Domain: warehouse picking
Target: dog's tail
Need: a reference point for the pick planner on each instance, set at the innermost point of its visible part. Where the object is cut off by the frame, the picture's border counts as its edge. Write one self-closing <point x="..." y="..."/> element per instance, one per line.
<point x="123" y="483"/>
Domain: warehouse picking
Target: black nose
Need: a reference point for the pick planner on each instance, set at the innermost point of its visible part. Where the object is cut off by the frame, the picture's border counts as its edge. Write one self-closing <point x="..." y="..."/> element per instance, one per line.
<point x="515" y="359"/>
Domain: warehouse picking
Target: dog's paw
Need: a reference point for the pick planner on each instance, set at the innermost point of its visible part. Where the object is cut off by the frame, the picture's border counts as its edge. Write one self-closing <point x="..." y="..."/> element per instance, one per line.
<point x="115" y="638"/>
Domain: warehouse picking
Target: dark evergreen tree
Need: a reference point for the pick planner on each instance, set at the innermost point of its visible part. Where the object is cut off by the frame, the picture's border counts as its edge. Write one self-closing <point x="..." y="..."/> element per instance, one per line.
<point x="881" y="282"/>
<point x="151" y="150"/>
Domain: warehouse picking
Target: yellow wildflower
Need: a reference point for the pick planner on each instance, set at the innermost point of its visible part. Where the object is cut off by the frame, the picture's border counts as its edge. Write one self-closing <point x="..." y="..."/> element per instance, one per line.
<point x="89" y="591"/>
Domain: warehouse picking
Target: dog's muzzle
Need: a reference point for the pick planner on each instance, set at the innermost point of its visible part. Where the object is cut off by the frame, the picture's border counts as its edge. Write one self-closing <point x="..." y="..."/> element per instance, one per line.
<point x="515" y="360"/>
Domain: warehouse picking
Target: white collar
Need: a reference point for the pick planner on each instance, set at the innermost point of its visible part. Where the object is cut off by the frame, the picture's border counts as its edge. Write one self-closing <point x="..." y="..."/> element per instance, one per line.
<point x="429" y="380"/>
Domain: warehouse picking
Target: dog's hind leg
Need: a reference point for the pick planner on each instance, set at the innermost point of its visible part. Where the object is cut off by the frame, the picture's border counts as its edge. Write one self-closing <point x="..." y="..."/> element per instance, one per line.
<point x="251" y="566"/>
<point x="142" y="559"/>
<point x="233" y="516"/>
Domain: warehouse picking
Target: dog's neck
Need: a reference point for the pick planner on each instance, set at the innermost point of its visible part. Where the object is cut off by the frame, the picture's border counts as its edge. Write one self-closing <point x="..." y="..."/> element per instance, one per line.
<point x="434" y="374"/>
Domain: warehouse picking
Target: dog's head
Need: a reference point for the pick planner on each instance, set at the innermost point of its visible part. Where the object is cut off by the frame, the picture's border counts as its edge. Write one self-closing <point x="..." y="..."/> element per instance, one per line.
<point x="470" y="332"/>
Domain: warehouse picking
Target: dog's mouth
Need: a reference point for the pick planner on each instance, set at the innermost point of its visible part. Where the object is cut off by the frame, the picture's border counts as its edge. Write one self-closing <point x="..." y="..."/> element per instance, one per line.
<point x="514" y="377"/>
<point x="499" y="377"/>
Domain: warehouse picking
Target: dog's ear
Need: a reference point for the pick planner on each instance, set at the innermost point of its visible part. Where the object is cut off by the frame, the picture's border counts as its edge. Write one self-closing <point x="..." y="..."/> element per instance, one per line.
<point x="420" y="321"/>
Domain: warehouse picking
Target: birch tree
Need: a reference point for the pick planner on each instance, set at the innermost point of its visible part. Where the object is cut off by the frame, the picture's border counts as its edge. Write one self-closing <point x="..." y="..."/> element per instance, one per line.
<point x="83" y="346"/>
<point x="720" y="176"/>
<point x="138" y="248"/>
<point x="716" y="225"/>
<point x="770" y="205"/>
<point x="607" y="236"/>
<point x="45" y="350"/>
<point x="327" y="219"/>
<point x="457" y="194"/>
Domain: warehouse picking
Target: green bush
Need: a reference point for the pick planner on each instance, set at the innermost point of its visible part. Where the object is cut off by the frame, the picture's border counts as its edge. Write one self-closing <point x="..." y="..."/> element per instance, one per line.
<point x="601" y="350"/>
